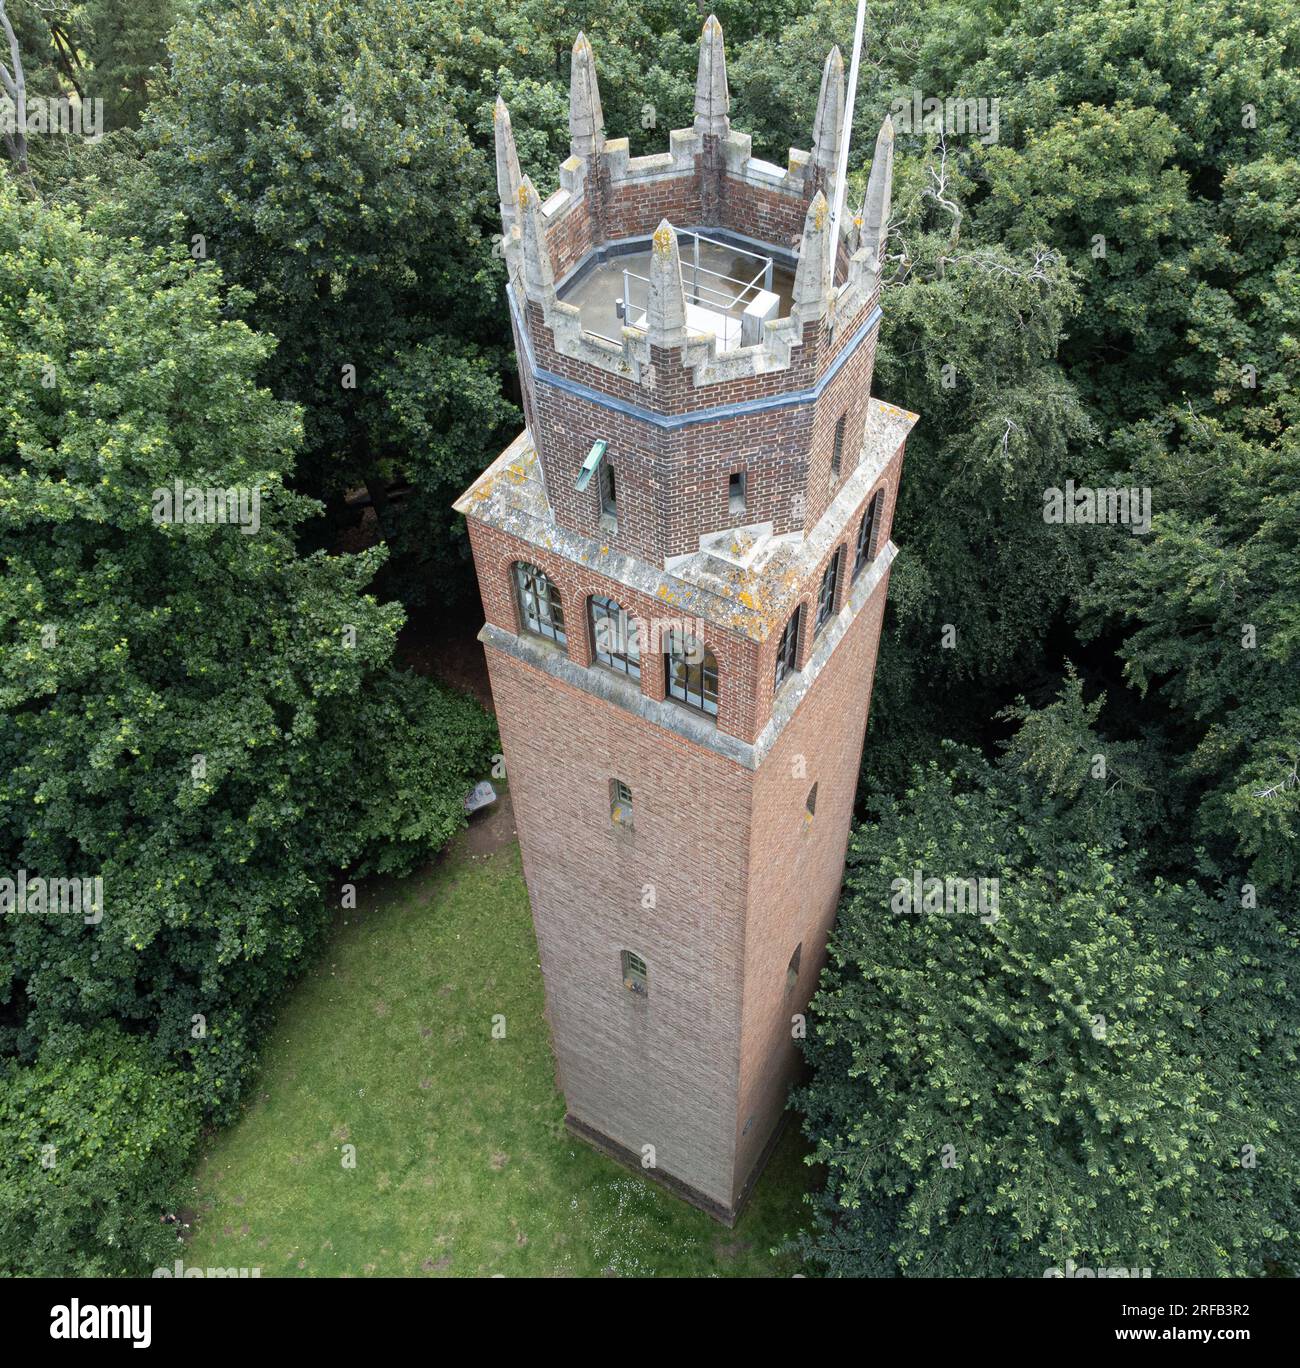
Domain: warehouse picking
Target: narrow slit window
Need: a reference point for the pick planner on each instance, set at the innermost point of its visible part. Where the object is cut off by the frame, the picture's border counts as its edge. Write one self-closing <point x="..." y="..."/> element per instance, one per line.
<point x="608" y="491"/>
<point x="636" y="977"/>
<point x="736" y="493"/>
<point x="792" y="970"/>
<point x="837" y="449"/>
<point x="620" y="803"/>
<point x="811" y="804"/>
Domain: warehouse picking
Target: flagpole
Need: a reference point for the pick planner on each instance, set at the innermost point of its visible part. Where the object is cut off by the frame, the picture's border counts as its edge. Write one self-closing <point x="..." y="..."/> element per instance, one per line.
<point x="842" y="169"/>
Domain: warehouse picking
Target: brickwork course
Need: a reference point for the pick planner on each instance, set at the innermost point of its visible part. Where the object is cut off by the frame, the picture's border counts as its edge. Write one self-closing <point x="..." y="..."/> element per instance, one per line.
<point x="723" y="877"/>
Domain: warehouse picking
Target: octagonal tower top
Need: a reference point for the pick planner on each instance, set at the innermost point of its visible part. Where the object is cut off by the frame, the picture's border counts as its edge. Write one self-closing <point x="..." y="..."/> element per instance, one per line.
<point x="671" y="275"/>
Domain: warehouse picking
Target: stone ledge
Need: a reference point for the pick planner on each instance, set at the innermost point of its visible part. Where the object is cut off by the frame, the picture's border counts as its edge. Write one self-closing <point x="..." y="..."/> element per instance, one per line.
<point x="510" y="496"/>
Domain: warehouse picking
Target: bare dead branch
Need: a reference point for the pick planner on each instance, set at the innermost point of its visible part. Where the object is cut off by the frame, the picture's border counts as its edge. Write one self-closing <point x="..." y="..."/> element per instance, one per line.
<point x="15" y="86"/>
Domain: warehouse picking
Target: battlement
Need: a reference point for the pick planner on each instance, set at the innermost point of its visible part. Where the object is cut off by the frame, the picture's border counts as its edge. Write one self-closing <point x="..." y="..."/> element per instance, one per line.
<point x="696" y="339"/>
<point x="708" y="184"/>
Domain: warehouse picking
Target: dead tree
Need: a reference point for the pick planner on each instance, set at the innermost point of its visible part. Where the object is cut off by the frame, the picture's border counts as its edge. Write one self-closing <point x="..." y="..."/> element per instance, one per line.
<point x="15" y="87"/>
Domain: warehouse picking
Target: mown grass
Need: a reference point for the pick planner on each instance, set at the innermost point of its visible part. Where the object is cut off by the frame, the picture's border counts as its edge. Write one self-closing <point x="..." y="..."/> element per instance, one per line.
<point x="463" y="1166"/>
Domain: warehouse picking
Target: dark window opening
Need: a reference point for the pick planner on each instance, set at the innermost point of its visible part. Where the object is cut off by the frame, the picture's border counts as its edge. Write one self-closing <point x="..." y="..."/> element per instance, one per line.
<point x="608" y="492"/>
<point x="736" y="493"/>
<point x="811" y="804"/>
<point x="792" y="972"/>
<point x="787" y="649"/>
<point x="868" y="533"/>
<point x="837" y="450"/>
<point x="826" y="595"/>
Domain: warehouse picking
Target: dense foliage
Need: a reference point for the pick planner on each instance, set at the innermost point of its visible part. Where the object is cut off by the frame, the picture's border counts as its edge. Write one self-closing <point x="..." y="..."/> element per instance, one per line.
<point x="95" y="1145"/>
<point x="195" y="714"/>
<point x="1144" y="172"/>
<point x="1100" y="1070"/>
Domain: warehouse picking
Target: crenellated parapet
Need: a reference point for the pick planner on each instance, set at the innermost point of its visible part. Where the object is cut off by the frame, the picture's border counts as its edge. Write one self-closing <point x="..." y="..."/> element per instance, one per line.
<point x="694" y="318"/>
<point x="707" y="181"/>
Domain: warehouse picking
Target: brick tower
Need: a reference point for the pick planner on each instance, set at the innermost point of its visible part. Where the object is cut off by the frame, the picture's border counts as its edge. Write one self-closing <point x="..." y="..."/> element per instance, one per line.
<point x="683" y="560"/>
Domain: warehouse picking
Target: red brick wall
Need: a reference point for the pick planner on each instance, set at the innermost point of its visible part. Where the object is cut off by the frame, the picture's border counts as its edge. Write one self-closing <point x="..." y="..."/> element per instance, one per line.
<point x="720" y="875"/>
<point x="668" y="479"/>
<point x="737" y="878"/>
<point x="746" y="669"/>
<point x="796" y="870"/>
<point x="660" y="1070"/>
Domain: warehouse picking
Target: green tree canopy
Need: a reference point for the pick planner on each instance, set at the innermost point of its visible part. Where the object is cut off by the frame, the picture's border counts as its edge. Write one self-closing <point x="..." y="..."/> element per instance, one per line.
<point x="1102" y="1070"/>
<point x="95" y="1145"/>
<point x="193" y="712"/>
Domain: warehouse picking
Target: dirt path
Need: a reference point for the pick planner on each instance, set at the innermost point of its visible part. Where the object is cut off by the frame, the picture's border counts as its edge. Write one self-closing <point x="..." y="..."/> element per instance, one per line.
<point x="493" y="827"/>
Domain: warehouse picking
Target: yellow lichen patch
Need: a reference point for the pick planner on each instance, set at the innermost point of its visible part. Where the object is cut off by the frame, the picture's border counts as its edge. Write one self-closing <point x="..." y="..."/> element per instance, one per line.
<point x="663" y="237"/>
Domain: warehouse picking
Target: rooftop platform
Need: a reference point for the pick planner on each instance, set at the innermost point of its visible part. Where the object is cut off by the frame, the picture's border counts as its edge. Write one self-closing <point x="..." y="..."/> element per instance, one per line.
<point x="732" y="286"/>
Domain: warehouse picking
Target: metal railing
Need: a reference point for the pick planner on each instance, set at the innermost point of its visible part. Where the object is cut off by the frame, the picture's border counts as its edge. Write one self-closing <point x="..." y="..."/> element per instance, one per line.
<point x="702" y="294"/>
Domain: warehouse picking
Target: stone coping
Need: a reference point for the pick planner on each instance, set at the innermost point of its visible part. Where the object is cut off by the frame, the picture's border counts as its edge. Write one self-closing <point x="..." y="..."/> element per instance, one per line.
<point x="751" y="599"/>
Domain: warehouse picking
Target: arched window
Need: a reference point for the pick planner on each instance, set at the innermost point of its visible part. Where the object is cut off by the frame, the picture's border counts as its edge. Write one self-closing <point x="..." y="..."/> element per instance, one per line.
<point x="787" y="650"/>
<point x="692" y="673"/>
<point x="615" y="638"/>
<point x="868" y="533"/>
<point x="826" y="595"/>
<point x="540" y="609"/>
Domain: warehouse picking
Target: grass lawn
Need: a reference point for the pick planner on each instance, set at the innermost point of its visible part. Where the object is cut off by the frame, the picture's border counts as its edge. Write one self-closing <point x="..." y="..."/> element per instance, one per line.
<point x="463" y="1166"/>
